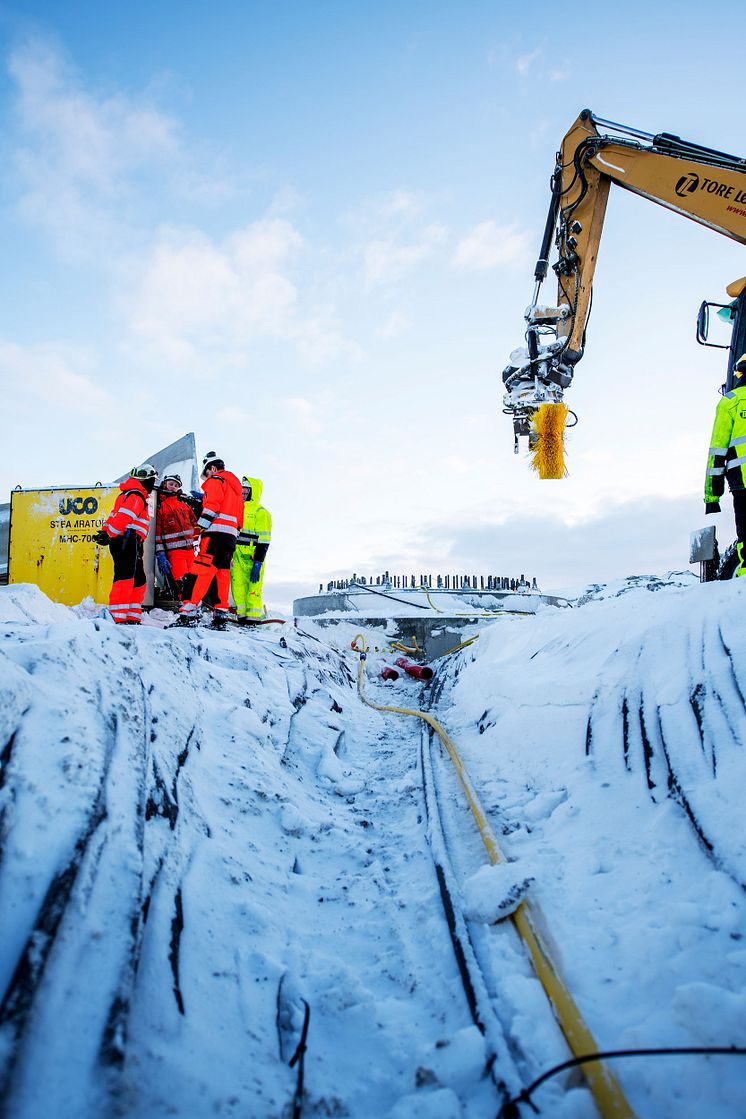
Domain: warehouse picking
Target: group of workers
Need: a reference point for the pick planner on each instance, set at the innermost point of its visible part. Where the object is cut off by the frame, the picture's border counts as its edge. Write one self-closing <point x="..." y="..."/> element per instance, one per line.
<point x="208" y="543"/>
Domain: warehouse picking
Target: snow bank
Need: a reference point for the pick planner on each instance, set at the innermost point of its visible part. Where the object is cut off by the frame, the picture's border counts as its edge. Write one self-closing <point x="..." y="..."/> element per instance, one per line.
<point x="200" y="831"/>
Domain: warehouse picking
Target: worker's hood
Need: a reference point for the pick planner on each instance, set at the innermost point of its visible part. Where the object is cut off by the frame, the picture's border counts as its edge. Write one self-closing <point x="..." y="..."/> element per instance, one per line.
<point x="256" y="489"/>
<point x="133" y="484"/>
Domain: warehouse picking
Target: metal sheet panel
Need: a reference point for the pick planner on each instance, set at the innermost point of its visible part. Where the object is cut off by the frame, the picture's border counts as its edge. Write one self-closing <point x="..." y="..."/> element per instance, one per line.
<point x="180" y="458"/>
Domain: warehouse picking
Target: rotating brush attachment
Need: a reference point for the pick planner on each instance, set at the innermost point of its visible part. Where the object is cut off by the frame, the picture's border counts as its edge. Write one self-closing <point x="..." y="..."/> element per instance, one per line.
<point x="547" y="442"/>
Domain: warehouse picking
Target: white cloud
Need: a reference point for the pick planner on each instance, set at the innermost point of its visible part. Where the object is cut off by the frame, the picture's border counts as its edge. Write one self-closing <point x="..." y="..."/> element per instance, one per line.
<point x="394" y="326"/>
<point x="403" y="202"/>
<point x="51" y="374"/>
<point x="193" y="293"/>
<point x="393" y="236"/>
<point x="320" y="339"/>
<point x="388" y="259"/>
<point x="84" y="138"/>
<point x="488" y="245"/>
<point x="232" y="415"/>
<point x="526" y="61"/>
<point x="92" y="163"/>
<point x="198" y="303"/>
<point x="626" y="538"/>
<point x="77" y="150"/>
<point x="305" y="414"/>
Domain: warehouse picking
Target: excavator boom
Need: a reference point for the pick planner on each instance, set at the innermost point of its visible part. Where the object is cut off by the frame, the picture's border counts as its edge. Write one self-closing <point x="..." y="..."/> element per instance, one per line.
<point x="702" y="184"/>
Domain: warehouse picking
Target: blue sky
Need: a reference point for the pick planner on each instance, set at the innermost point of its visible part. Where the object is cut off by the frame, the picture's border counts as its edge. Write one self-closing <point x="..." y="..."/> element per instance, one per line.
<point x="307" y="233"/>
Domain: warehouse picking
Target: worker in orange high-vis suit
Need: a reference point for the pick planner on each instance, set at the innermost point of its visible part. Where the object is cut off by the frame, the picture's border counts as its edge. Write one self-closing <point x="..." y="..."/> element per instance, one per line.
<point x="124" y="530"/>
<point x="219" y="524"/>
<point x="175" y="532"/>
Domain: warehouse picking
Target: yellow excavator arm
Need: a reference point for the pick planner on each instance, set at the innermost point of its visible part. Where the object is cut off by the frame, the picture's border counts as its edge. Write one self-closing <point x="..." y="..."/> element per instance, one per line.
<point x="699" y="183"/>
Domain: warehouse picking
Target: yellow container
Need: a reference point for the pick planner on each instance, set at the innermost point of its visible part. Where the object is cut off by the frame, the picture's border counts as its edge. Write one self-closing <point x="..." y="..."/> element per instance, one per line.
<point x="51" y="541"/>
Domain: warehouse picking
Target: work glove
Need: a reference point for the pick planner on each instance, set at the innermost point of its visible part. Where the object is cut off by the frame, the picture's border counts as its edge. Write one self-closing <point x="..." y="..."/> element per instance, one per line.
<point x="197" y="496"/>
<point x="164" y="563"/>
<point x="712" y="507"/>
<point x="102" y="538"/>
<point x="256" y="570"/>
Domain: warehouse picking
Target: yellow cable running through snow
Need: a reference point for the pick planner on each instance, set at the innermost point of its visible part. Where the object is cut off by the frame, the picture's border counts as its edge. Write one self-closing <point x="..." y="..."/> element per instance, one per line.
<point x="606" y="1090"/>
<point x="469" y="613"/>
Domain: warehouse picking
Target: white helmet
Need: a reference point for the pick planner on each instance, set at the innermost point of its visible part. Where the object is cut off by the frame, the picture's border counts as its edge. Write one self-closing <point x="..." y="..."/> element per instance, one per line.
<point x="212" y="459"/>
<point x="144" y="473"/>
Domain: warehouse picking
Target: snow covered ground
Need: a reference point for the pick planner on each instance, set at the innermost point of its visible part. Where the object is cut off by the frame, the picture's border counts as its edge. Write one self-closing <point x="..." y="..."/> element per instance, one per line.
<point x="199" y="831"/>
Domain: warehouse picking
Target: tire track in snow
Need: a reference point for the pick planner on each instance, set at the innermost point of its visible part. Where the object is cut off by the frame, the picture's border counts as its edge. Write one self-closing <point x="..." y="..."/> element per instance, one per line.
<point x="89" y="884"/>
<point x="20" y="994"/>
<point x="166" y="806"/>
<point x="381" y="886"/>
<point x="663" y="759"/>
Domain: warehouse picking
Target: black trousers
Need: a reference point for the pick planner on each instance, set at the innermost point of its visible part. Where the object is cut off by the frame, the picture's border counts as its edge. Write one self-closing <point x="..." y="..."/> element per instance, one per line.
<point x="126" y="551"/>
<point x="739" y="512"/>
<point x="216" y="551"/>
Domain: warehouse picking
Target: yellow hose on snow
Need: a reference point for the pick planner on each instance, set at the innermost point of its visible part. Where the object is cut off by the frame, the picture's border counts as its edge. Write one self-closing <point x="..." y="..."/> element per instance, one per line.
<point x="528" y="920"/>
<point x="470" y="613"/>
<point x="547" y="445"/>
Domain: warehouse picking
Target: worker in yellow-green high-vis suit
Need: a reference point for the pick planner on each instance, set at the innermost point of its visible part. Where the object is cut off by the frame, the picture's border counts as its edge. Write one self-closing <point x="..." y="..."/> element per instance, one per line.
<point x="727" y="457"/>
<point x="247" y="569"/>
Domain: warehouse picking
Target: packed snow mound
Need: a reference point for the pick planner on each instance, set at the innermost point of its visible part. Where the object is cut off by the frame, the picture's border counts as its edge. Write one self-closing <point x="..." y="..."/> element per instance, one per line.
<point x="495" y="892"/>
<point x="204" y="835"/>
<point x="23" y="603"/>
<point x="595" y="592"/>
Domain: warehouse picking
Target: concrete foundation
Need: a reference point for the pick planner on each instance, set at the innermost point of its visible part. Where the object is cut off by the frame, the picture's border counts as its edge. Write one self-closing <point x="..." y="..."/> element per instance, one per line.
<point x="436" y="631"/>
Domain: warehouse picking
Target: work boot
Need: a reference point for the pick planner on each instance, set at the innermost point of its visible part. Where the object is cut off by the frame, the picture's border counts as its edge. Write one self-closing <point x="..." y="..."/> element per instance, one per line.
<point x="188" y="614"/>
<point x="220" y="618"/>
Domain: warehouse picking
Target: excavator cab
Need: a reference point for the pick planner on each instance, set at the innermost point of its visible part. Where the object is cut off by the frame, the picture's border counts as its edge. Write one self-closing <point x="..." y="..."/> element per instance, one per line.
<point x="731" y="314"/>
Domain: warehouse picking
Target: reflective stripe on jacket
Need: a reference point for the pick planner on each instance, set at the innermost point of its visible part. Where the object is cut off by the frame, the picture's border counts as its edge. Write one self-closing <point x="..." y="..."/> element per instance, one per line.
<point x="257" y="521"/>
<point x="175" y="524"/>
<point x="130" y="510"/>
<point x="222" y="509"/>
<point x="727" y="457"/>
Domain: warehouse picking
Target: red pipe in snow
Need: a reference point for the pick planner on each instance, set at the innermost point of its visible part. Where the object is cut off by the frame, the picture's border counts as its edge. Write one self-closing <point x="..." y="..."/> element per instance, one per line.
<point x="389" y="673"/>
<point x="419" y="671"/>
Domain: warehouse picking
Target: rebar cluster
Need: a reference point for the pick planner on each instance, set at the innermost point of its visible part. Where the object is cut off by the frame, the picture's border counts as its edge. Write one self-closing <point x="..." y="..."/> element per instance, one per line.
<point x="456" y="582"/>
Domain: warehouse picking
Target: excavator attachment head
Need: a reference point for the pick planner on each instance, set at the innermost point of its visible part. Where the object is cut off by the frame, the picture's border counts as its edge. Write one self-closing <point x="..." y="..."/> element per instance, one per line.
<point x="536" y="376"/>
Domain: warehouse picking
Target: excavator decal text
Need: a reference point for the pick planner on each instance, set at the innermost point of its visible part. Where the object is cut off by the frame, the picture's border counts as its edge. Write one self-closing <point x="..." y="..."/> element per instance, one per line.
<point x="687" y="184"/>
